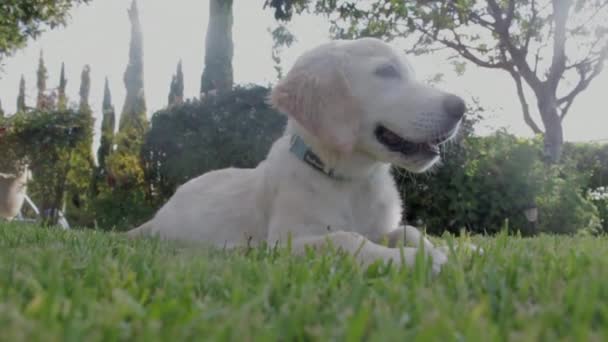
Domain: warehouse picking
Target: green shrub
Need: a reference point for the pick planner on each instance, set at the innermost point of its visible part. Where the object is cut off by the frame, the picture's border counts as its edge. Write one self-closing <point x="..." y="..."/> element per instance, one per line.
<point x="487" y="180"/>
<point x="563" y="206"/>
<point x="590" y="159"/>
<point x="482" y="182"/>
<point x="231" y="130"/>
<point x="45" y="141"/>
<point x="599" y="197"/>
<point x="122" y="209"/>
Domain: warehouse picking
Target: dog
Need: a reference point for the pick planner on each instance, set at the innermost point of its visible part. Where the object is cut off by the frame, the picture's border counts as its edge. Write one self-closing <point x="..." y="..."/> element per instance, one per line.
<point x="353" y="108"/>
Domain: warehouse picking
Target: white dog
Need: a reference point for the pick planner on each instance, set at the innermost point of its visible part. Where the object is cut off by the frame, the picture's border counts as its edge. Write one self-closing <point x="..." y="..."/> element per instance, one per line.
<point x="353" y="109"/>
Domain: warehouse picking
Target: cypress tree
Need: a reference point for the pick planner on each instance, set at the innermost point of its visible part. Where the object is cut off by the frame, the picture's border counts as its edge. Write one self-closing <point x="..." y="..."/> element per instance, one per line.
<point x="1" y="110"/>
<point x="107" y="128"/>
<point x="218" y="74"/>
<point x="85" y="109"/>
<point x="62" y="101"/>
<point x="81" y="157"/>
<point x="133" y="115"/>
<point x="41" y="76"/>
<point x="176" y="91"/>
<point x="21" y="97"/>
<point x="85" y="87"/>
<point x="125" y="164"/>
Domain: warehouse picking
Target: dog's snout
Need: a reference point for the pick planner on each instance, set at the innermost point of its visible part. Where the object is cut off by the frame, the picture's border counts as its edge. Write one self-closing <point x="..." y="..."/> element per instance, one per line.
<point x="454" y="106"/>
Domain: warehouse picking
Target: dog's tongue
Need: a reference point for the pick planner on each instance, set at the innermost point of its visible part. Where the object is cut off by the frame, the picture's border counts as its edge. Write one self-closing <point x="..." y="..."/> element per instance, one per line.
<point x="390" y="137"/>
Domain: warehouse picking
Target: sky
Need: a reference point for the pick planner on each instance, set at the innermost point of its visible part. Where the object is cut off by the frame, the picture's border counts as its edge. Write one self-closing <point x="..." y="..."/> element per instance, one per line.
<point x="98" y="35"/>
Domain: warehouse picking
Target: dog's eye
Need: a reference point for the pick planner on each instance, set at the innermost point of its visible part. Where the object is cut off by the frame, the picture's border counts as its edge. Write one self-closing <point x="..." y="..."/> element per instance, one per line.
<point x="387" y="71"/>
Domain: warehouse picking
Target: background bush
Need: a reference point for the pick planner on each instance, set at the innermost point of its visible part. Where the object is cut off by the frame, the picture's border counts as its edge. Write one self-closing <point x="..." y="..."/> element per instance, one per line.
<point x="481" y="183"/>
<point x="485" y="181"/>
<point x="46" y="141"/>
<point x="185" y="141"/>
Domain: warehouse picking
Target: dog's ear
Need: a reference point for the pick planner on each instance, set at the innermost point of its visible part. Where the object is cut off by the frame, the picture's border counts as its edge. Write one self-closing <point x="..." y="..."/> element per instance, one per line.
<point x="316" y="94"/>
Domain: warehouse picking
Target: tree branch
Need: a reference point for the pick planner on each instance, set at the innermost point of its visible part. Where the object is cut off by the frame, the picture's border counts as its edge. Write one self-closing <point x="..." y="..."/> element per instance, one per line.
<point x="462" y="50"/>
<point x="531" y="30"/>
<point x="524" y="104"/>
<point x="518" y="56"/>
<point x="561" y="9"/>
<point x="584" y="81"/>
<point x="598" y="9"/>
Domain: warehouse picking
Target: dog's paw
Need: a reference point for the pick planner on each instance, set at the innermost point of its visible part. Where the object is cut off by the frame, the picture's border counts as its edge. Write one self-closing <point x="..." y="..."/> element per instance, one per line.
<point x="439" y="259"/>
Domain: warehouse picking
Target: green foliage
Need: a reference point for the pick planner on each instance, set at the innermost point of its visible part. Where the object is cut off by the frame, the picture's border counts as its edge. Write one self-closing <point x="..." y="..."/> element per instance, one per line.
<point x="563" y="207"/>
<point x="124" y="165"/>
<point x="62" y="100"/>
<point x="590" y="159"/>
<point x="599" y="197"/>
<point x="108" y="125"/>
<point x="21" y="107"/>
<point x="79" y="190"/>
<point x="234" y="129"/>
<point x="176" y="90"/>
<point x="21" y="20"/>
<point x="133" y="117"/>
<point x="122" y="209"/>
<point x="41" y="78"/>
<point x="486" y="180"/>
<point x="92" y="286"/>
<point x="44" y="140"/>
<point x="281" y="38"/>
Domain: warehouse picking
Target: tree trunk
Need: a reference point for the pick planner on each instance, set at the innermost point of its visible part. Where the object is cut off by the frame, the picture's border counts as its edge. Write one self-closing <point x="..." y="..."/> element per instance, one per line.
<point x="218" y="48"/>
<point x="554" y="134"/>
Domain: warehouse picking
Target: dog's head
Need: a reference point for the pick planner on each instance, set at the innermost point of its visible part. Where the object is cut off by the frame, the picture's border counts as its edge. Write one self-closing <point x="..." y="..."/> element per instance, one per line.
<point x="361" y="96"/>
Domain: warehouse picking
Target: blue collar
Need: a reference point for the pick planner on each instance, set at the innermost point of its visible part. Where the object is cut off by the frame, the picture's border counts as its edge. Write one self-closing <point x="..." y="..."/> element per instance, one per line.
<point x="301" y="150"/>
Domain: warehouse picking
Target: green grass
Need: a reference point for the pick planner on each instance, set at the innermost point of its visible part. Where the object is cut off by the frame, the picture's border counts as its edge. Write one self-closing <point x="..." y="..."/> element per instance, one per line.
<point x="91" y="286"/>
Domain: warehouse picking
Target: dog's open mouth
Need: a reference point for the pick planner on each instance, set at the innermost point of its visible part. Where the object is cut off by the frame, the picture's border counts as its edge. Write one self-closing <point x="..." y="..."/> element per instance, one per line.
<point x="395" y="143"/>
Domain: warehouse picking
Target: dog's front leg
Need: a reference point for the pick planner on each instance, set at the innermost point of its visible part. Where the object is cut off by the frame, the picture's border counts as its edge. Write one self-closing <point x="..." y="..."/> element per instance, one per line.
<point x="364" y="250"/>
<point x="408" y="236"/>
<point x="412" y="236"/>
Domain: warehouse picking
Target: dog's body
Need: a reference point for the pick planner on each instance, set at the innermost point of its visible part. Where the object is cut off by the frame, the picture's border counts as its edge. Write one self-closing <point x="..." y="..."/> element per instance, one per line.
<point x="355" y="107"/>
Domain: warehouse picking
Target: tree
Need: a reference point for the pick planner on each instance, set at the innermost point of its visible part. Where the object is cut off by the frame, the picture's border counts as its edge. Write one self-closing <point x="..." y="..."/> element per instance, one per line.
<point x="62" y="101"/>
<point x="543" y="45"/>
<point x="235" y="129"/>
<point x="281" y="37"/>
<point x="85" y="88"/>
<point x="21" y="20"/>
<point x="1" y="111"/>
<point x="217" y="75"/>
<point x="134" y="109"/>
<point x="81" y="161"/>
<point x="107" y="128"/>
<point x="41" y="77"/>
<point x="21" y="97"/>
<point x="124" y="164"/>
<point x="176" y="91"/>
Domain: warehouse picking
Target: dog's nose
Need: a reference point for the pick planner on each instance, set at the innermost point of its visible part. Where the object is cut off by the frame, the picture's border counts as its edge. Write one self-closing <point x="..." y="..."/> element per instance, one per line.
<point x="454" y="106"/>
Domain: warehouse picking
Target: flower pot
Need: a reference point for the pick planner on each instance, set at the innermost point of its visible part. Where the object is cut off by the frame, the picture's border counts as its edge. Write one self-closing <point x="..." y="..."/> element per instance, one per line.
<point x="12" y="193"/>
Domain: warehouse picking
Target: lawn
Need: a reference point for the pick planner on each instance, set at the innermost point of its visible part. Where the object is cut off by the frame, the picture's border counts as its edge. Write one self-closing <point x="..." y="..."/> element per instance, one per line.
<point x="90" y="286"/>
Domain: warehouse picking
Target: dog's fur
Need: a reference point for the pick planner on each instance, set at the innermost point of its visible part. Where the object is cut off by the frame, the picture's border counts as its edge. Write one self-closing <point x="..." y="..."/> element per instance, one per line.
<point x="335" y="96"/>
